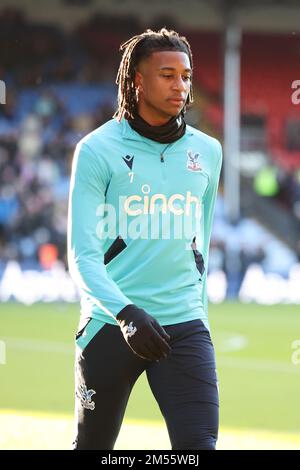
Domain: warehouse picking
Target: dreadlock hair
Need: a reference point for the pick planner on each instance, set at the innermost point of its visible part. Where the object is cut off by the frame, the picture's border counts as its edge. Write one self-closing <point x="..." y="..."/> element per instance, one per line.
<point x="140" y="47"/>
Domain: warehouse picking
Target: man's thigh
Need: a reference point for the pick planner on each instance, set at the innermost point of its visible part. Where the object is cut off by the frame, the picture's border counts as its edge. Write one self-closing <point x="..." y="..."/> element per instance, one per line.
<point x="105" y="372"/>
<point x="186" y="388"/>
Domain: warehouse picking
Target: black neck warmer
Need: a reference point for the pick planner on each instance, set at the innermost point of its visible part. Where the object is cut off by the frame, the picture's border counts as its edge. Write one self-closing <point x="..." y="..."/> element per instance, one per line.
<point x="165" y="134"/>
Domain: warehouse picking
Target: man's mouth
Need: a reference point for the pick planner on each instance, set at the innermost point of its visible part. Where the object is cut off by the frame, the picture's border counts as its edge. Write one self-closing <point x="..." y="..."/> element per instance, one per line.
<point x="177" y="101"/>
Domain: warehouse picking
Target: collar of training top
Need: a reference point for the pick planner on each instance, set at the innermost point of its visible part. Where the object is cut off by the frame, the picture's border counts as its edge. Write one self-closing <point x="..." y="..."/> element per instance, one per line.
<point x="129" y="133"/>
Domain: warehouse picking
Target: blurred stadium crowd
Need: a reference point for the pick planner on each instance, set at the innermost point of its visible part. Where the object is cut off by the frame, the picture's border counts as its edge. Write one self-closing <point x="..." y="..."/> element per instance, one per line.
<point x="60" y="86"/>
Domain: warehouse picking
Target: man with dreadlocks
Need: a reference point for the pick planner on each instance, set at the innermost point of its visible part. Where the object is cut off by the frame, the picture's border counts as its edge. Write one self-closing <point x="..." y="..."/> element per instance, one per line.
<point x="142" y="195"/>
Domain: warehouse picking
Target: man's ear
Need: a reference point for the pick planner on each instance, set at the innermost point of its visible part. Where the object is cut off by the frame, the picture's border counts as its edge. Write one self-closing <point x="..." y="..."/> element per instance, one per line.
<point x="138" y="81"/>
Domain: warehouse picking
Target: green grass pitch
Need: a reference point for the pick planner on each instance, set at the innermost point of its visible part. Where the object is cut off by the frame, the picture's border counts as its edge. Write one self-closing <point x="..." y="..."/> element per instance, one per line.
<point x="259" y="382"/>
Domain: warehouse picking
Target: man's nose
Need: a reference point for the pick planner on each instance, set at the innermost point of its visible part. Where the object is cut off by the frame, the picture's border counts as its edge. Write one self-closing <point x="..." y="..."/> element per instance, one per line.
<point x="179" y="84"/>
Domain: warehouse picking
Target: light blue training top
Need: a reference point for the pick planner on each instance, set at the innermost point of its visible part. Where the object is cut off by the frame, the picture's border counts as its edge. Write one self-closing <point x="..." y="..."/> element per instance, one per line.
<point x="135" y="208"/>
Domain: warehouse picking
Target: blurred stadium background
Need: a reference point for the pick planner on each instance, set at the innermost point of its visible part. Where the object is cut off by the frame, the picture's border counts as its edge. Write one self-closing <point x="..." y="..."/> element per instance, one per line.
<point x="58" y="63"/>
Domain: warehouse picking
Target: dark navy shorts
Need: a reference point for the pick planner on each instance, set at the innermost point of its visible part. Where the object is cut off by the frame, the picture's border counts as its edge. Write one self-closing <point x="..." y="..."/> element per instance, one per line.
<point x="184" y="385"/>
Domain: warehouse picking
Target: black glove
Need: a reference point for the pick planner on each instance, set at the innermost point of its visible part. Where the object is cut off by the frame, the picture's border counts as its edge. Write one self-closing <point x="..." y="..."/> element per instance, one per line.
<point x="143" y="333"/>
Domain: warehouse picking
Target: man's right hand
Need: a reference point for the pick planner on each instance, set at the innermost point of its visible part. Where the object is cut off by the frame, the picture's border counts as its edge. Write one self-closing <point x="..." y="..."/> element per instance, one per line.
<point x="143" y="333"/>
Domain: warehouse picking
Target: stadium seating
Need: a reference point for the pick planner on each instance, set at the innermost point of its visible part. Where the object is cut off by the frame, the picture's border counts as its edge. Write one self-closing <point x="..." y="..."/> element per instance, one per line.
<point x="269" y="65"/>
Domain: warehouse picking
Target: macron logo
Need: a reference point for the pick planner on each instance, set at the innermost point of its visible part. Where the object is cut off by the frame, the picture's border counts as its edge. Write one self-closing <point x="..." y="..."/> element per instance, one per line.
<point x="129" y="160"/>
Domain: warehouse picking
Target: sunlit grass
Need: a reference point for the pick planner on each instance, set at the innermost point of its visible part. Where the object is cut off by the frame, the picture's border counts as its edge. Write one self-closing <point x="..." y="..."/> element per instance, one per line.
<point x="24" y="431"/>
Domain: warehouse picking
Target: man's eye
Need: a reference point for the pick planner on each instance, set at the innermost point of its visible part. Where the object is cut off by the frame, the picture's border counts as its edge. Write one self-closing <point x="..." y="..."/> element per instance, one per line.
<point x="184" y="77"/>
